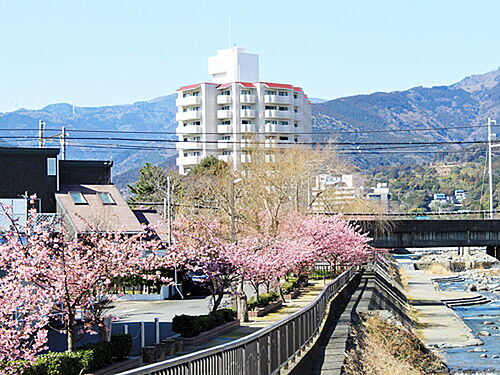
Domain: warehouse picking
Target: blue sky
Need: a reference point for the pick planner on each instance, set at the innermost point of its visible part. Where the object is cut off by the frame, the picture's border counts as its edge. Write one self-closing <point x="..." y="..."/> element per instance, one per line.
<point x="98" y="52"/>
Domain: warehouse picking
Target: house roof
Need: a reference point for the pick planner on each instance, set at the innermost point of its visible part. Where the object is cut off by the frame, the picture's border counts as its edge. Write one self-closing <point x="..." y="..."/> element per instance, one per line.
<point x="153" y="218"/>
<point x="94" y="215"/>
<point x="30" y="150"/>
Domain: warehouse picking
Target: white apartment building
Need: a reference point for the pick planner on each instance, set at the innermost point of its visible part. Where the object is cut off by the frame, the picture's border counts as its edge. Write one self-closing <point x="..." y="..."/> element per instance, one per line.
<point x="236" y="113"/>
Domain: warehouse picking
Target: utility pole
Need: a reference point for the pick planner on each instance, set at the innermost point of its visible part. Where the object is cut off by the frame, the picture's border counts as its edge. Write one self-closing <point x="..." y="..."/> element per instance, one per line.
<point x="169" y="209"/>
<point x="64" y="143"/>
<point x="490" y="167"/>
<point x="41" y="139"/>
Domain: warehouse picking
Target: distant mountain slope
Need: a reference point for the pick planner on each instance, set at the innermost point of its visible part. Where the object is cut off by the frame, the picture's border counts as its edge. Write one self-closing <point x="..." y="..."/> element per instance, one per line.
<point x="466" y="103"/>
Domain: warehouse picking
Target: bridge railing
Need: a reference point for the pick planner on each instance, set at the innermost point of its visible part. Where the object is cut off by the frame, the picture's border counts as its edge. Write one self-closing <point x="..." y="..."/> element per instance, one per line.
<point x="261" y="353"/>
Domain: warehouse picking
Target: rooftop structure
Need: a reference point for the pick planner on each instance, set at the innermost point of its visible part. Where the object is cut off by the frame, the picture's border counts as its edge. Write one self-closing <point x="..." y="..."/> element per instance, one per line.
<point x="236" y="113"/>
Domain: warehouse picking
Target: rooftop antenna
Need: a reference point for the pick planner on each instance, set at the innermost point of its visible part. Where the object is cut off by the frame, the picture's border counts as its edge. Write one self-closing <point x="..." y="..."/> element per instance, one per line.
<point x="229" y="27"/>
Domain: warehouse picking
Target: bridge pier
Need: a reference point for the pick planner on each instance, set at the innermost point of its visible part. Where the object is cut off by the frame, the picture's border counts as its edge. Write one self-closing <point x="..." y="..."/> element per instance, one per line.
<point x="493" y="251"/>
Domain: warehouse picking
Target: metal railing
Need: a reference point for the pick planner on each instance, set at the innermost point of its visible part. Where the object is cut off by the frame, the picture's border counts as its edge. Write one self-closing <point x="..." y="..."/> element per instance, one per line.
<point x="264" y="352"/>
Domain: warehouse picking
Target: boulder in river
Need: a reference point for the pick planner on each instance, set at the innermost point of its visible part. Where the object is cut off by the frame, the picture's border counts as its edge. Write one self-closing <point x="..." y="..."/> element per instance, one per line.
<point x="484" y="333"/>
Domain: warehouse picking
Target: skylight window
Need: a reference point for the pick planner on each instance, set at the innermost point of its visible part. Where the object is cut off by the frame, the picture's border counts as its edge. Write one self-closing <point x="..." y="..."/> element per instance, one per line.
<point x="106" y="198"/>
<point x="78" y="197"/>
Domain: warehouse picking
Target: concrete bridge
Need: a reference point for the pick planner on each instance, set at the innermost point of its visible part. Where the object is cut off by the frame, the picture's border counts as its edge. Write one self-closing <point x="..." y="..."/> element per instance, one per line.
<point x="434" y="233"/>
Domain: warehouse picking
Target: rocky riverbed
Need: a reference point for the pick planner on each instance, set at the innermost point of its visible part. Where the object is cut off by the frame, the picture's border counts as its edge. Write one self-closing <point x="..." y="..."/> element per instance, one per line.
<point x="483" y="320"/>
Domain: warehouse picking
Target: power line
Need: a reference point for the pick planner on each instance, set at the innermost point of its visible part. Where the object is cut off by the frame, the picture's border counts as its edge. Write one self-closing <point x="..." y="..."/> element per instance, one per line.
<point x="217" y="133"/>
<point x="252" y="142"/>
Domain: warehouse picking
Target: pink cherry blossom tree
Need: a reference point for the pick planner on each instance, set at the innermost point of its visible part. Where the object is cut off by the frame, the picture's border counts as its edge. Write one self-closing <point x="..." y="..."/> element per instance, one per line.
<point x="59" y="276"/>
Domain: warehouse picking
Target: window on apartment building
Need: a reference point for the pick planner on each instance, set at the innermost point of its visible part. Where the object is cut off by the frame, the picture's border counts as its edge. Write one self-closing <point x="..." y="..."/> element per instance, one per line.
<point x="283" y="108"/>
<point x="225" y="92"/>
<point x="226" y="122"/>
<point x="77" y="197"/>
<point x="196" y="153"/>
<point x="196" y="108"/>
<point x="226" y="138"/>
<point x="295" y="139"/>
<point x="185" y="110"/>
<point x="197" y="123"/>
<point x="226" y="152"/>
<point x="282" y="93"/>
<point x="246" y="122"/>
<point x="246" y="107"/>
<point x="283" y="122"/>
<point x="196" y="139"/>
<point x="245" y="92"/>
<point x="51" y="166"/>
<point x="270" y="107"/>
<point x="269" y="92"/>
<point x="271" y="122"/>
<point x="185" y="139"/>
<point x="186" y="95"/>
<point x="295" y="110"/>
<point x="106" y="198"/>
<point x="283" y="138"/>
<point x="295" y="95"/>
<point x="225" y="108"/>
<point x="196" y="93"/>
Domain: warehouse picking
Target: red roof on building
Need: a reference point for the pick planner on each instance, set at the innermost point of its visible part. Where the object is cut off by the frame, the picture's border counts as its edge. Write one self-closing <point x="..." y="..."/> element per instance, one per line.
<point x="244" y="84"/>
<point x="189" y="87"/>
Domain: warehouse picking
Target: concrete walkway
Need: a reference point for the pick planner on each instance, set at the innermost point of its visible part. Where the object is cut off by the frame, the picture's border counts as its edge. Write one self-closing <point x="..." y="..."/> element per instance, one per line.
<point x="307" y="296"/>
<point x="438" y="325"/>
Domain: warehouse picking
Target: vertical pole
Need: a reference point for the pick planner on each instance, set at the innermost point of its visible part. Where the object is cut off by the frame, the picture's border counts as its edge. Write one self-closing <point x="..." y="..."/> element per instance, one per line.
<point x="169" y="208"/>
<point x="143" y="336"/>
<point x="490" y="168"/>
<point x="157" y="330"/>
<point x="233" y="223"/>
<point x="63" y="143"/>
<point x="41" y="140"/>
<point x="125" y="328"/>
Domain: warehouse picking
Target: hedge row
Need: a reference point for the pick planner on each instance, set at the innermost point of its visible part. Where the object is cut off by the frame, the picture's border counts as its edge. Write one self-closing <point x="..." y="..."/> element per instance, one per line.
<point x="262" y="301"/>
<point x="89" y="357"/>
<point x="192" y="325"/>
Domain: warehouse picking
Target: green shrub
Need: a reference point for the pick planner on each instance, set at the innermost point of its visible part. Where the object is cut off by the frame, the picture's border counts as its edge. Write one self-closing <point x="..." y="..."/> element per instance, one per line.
<point x="121" y="346"/>
<point x="88" y="357"/>
<point x="289" y="286"/>
<point x="100" y="354"/>
<point x="190" y="326"/>
<point x="262" y="301"/>
<point x="64" y="363"/>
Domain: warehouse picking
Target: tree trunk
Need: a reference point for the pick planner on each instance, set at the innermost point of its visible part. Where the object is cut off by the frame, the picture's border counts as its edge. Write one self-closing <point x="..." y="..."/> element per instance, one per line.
<point x="217" y="298"/>
<point x="71" y="332"/>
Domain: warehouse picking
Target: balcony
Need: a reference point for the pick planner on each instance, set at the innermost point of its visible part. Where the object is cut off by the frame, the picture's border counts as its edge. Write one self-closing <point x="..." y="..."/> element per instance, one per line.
<point x="189" y="115"/>
<point x="224" y="128"/>
<point x="226" y="158"/>
<point x="189" y="129"/>
<point x="277" y="99"/>
<point x="246" y="159"/>
<point x="224" y="99"/>
<point x="248" y="98"/>
<point x="188" y="160"/>
<point x="188" y="145"/>
<point x="248" y="113"/>
<point x="274" y="113"/>
<point x="248" y="143"/>
<point x="270" y="143"/>
<point x="248" y="128"/>
<point x="224" y="144"/>
<point x="270" y="158"/>
<point x="223" y="113"/>
<point x="274" y="128"/>
<point x="188" y="100"/>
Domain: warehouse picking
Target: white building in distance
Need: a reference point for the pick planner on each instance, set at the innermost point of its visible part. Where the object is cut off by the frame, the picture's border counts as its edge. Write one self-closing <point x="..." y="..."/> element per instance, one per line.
<point x="236" y="113"/>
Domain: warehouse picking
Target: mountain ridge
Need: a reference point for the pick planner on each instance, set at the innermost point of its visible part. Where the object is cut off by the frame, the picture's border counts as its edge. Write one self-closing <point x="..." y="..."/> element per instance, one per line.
<point x="465" y="103"/>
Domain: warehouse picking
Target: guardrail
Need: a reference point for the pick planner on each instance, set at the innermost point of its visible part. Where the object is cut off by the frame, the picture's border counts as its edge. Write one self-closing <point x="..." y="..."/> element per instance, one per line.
<point x="264" y="352"/>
